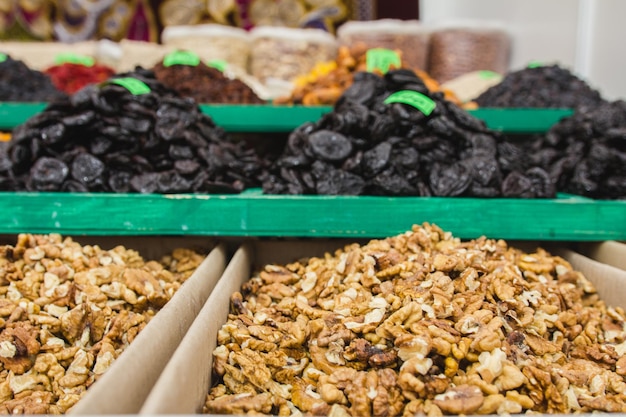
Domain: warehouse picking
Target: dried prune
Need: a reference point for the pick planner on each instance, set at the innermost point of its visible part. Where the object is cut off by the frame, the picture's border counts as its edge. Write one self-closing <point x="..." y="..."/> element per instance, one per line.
<point x="186" y="166"/>
<point x="87" y="168"/>
<point x="330" y="146"/>
<point x="450" y="181"/>
<point x="47" y="174"/>
<point x="548" y="86"/>
<point x="584" y="154"/>
<point x="113" y="140"/>
<point x="534" y="183"/>
<point x="331" y="181"/>
<point x="395" y="148"/>
<point x="376" y="159"/>
<point x="389" y="182"/>
<point x="119" y="181"/>
<point x="53" y="133"/>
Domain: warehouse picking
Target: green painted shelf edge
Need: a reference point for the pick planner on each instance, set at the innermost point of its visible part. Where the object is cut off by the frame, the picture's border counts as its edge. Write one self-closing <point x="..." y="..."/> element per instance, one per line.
<point x="516" y="120"/>
<point x="566" y="218"/>
<point x="13" y="114"/>
<point x="271" y="118"/>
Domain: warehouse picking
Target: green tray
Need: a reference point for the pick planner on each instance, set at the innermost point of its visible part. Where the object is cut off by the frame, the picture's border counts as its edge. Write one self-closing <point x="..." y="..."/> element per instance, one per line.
<point x="566" y="218"/>
<point x="272" y="118"/>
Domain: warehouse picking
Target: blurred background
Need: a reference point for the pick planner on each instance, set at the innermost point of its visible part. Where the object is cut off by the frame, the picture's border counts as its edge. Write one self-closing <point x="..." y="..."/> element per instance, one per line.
<point x="582" y="35"/>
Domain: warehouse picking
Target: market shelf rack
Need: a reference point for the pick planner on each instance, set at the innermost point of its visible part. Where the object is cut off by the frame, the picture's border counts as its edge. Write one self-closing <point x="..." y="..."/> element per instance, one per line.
<point x="274" y="118"/>
<point x="252" y="213"/>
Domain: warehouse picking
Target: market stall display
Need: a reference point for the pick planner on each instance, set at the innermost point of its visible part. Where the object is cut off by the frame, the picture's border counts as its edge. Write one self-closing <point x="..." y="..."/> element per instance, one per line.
<point x="20" y="83"/>
<point x="417" y="323"/>
<point x="327" y="81"/>
<point x="69" y="311"/>
<point x="420" y="321"/>
<point x="131" y="134"/>
<point x="586" y="153"/>
<point x="391" y="136"/>
<point x="549" y="86"/>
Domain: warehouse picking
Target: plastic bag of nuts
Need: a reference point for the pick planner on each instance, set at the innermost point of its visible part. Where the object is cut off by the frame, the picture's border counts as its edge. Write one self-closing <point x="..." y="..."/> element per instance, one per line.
<point x="407" y="36"/>
<point x="210" y="42"/>
<point x="285" y="53"/>
<point x="457" y="48"/>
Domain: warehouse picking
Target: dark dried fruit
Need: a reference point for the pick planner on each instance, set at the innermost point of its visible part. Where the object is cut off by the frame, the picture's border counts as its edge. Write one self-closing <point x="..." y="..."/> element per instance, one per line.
<point x="330" y="146"/>
<point x="584" y="154"/>
<point x="22" y="84"/>
<point x="105" y="139"/>
<point x="367" y="146"/>
<point x="47" y="174"/>
<point x="205" y="84"/>
<point x="87" y="169"/>
<point x="540" y="87"/>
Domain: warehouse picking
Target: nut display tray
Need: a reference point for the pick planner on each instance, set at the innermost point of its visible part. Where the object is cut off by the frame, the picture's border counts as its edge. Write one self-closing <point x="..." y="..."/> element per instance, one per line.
<point x="182" y="387"/>
<point x="273" y="118"/>
<point x="126" y="383"/>
<point x="566" y="218"/>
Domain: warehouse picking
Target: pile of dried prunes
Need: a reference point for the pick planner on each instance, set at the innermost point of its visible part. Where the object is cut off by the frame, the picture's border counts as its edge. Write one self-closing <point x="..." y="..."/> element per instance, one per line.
<point x="584" y="154"/>
<point x="105" y="138"/>
<point x="22" y="84"/>
<point x="367" y="147"/>
<point x="549" y="86"/>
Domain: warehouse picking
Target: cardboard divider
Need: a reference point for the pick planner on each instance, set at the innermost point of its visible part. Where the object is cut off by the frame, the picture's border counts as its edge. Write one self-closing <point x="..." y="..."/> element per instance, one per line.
<point x="126" y="384"/>
<point x="609" y="252"/>
<point x="184" y="383"/>
<point x="610" y="282"/>
<point x="186" y="379"/>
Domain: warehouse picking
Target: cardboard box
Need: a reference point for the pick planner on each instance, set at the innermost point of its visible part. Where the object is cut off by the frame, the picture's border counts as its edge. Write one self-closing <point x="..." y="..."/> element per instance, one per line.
<point x="125" y="385"/>
<point x="610" y="252"/>
<point x="184" y="383"/>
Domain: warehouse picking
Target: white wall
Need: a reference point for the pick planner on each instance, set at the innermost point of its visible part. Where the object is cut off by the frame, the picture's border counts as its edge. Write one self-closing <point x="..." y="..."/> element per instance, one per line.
<point x="585" y="36"/>
<point x="605" y="61"/>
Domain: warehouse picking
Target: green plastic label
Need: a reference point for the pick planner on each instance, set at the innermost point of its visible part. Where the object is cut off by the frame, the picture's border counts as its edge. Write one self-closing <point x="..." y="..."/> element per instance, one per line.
<point x="71" y="58"/>
<point x="181" y="58"/>
<point x="218" y="64"/>
<point x="421" y="102"/>
<point x="3" y="57"/>
<point x="133" y="85"/>
<point x="488" y="75"/>
<point x="535" y="64"/>
<point x="382" y="59"/>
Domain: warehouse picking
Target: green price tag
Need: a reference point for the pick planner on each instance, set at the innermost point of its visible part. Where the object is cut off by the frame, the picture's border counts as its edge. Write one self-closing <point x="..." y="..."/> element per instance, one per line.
<point x="133" y="85"/>
<point x="421" y="102"/>
<point x="382" y="59"/>
<point x="3" y="57"/>
<point x="218" y="64"/>
<point x="488" y="75"/>
<point x="535" y="64"/>
<point x="181" y="58"/>
<point x="70" y="58"/>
